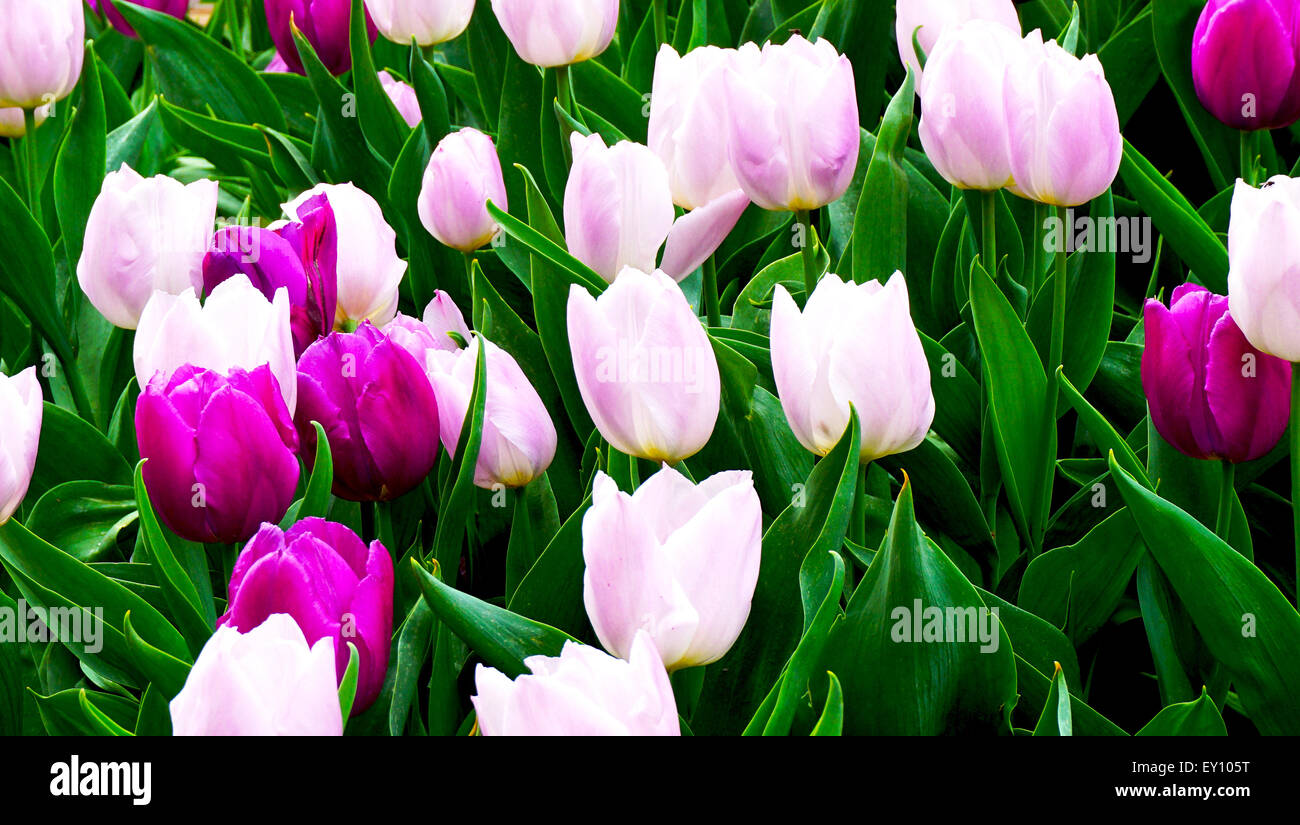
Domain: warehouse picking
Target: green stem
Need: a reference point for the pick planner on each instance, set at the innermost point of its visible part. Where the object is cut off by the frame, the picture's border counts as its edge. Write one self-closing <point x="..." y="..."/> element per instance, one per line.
<point x="810" y="274"/>
<point x="33" y="179"/>
<point x="661" y="21"/>
<point x="1056" y="353"/>
<point x="1295" y="467"/>
<point x="1223" y="518"/>
<point x="78" y="389"/>
<point x="1035" y="279"/>
<point x="858" y="524"/>
<point x="990" y="246"/>
<point x="712" y="306"/>
<point x="1249" y="150"/>
<point x="564" y="94"/>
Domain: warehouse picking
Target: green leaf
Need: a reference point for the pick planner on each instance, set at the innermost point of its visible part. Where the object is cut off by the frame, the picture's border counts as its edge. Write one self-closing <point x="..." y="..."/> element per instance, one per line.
<point x="880" y="227"/>
<point x="315" y="502"/>
<point x="1057" y="718"/>
<point x="348" y="687"/>
<point x="83" y="518"/>
<point x="412" y="649"/>
<point x="454" y="510"/>
<point x="832" y="721"/>
<point x="382" y="125"/>
<point x="551" y="590"/>
<point x="1199" y="718"/>
<point x="65" y="713"/>
<point x="1107" y="439"/>
<point x="80" y="166"/>
<point x="162" y="670"/>
<point x="71" y="450"/>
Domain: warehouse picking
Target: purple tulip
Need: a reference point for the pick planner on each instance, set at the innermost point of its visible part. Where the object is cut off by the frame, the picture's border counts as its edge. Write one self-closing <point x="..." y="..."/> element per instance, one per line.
<point x="333" y="586"/>
<point x="1244" y="62"/>
<point x="301" y="256"/>
<point x="219" y="451"/>
<point x="1212" y="395"/>
<point x="176" y="8"/>
<point x="378" y="410"/>
<point x="325" y="25"/>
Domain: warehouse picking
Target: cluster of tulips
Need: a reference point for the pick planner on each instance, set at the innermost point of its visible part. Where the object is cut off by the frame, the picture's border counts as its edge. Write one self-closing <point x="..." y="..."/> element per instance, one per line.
<point x="252" y="342"/>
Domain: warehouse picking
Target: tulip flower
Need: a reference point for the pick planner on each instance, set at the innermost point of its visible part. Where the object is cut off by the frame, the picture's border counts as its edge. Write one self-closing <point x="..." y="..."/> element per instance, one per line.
<point x="144" y="235"/>
<point x="442" y="318"/>
<point x="21" y="409"/>
<point x="325" y="25"/>
<point x="1060" y="112"/>
<point x="853" y="344"/>
<point x="428" y="22"/>
<point x="581" y="692"/>
<point x="219" y="451"/>
<point x="176" y="8"/>
<point x="12" y="124"/>
<point x="676" y="560"/>
<point x="42" y="46"/>
<point x="645" y="368"/>
<point x="463" y="174"/>
<point x="333" y="586"/>
<point x="518" y="436"/>
<point x="1212" y="395"/>
<point x="963" y="126"/>
<point x="403" y="97"/>
<point x="236" y="327"/>
<point x="618" y="212"/>
<point x="934" y="17"/>
<point x="266" y="682"/>
<point x="792" y="124"/>
<point x="688" y="127"/>
<point x="557" y="32"/>
<point x="299" y="257"/>
<point x="369" y="271"/>
<point x="1264" y="269"/>
<point x="378" y="411"/>
<point x="1246" y="62"/>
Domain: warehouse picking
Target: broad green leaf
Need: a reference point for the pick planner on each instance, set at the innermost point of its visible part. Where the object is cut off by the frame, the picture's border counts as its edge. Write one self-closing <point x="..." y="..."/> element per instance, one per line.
<point x="83" y="518"/>
<point x="1199" y="718"/>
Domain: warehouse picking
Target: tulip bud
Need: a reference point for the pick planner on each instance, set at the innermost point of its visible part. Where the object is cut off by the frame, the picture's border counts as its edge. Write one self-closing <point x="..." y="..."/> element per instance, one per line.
<point x="237" y="327"/>
<point x="581" y="692"/>
<point x="403" y="97"/>
<point x="369" y="271"/>
<point x="676" y="560"/>
<point x="645" y="368"/>
<point x="428" y="22"/>
<point x="1212" y="395"/>
<point x="176" y="8"/>
<point x="21" y="408"/>
<point x="144" y="235"/>
<point x="325" y="25"/>
<point x="518" y="436"/>
<point x="219" y="451"/>
<point x="42" y="46"/>
<point x="1064" y="128"/>
<point x="1244" y="62"/>
<point x="1264" y="273"/>
<point x="464" y="173"/>
<point x="299" y="257"/>
<point x="934" y="17"/>
<point x="557" y="32"/>
<point x="378" y="411"/>
<point x="852" y="344"/>
<point x="441" y="319"/>
<point x="266" y="682"/>
<point x="332" y="584"/>
<point x="792" y="123"/>
<point x="963" y="122"/>
<point x="688" y="126"/>
<point x="12" y="124"/>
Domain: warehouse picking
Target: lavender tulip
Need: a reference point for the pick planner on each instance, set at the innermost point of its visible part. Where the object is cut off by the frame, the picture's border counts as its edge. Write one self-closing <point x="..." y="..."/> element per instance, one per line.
<point x="143" y="235"/>
<point x="792" y="123"/>
<point x="1244" y="62"/>
<point x="463" y="174"/>
<point x="176" y="8"/>
<point x="1264" y="265"/>
<point x="518" y="437"/>
<point x="42" y="47"/>
<point x="333" y="586"/>
<point x="644" y="366"/>
<point x="324" y="23"/>
<point x="1065" y="142"/>
<point x="12" y="124"/>
<point x="676" y="560"/>
<point x="219" y="451"/>
<point x="266" y="682"/>
<point x="378" y="411"/>
<point x="21" y="408"/>
<point x="403" y="97"/>
<point x="428" y="22"/>
<point x="853" y="344"/>
<point x="1212" y="395"/>
<point x="300" y="257"/>
<point x="236" y="327"/>
<point x="369" y="270"/>
<point x="442" y="319"/>
<point x="557" y="32"/>
<point x="581" y="692"/>
<point x="929" y="19"/>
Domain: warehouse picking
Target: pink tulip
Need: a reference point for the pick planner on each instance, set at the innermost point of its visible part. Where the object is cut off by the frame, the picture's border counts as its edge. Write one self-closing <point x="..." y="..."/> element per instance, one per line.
<point x="403" y="97"/>
<point x="1264" y="271"/>
<point x="428" y="22"/>
<point x="42" y="48"/>
<point x="934" y="17"/>
<point x="557" y="32"/>
<point x="676" y="560"/>
<point x="792" y="123"/>
<point x="581" y="692"/>
<point x="464" y="173"/>
<point x="644" y="366"/>
<point x="12" y="124"/>
<point x="852" y="344"/>
<point x="266" y="682"/>
<point x="21" y="409"/>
